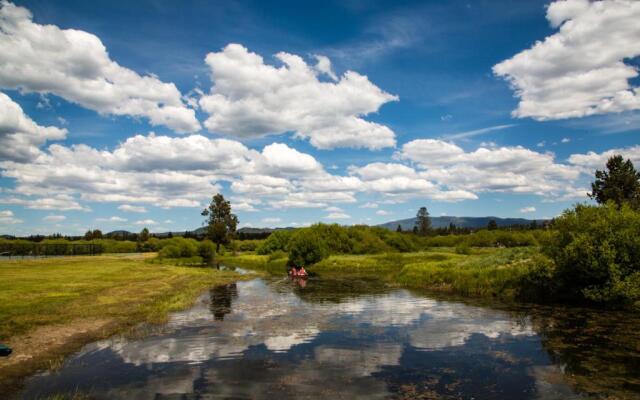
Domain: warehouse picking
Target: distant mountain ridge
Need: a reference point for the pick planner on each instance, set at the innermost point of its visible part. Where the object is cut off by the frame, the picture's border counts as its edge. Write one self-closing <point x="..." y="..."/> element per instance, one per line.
<point x="406" y="224"/>
<point x="460" y="222"/>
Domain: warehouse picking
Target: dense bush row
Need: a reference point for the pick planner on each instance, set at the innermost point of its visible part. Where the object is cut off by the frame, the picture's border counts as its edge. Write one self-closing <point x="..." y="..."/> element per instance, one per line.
<point x="179" y="247"/>
<point x="49" y="247"/>
<point x="309" y="245"/>
<point x="593" y="254"/>
<point x="170" y="248"/>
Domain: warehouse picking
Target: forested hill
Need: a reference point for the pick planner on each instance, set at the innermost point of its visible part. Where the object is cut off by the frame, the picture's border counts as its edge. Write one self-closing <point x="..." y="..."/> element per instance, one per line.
<point x="460" y="222"/>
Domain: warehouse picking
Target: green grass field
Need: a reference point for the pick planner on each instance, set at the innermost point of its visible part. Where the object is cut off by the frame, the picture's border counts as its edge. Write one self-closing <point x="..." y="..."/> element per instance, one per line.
<point x="61" y="303"/>
<point x="491" y="272"/>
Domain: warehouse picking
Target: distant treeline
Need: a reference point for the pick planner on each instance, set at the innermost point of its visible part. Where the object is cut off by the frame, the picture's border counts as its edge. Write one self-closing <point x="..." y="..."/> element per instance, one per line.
<point x="362" y="239"/>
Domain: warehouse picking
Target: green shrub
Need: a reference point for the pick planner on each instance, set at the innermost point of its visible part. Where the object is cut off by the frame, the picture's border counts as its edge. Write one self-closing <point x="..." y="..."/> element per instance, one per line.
<point x="249" y="245"/>
<point x="306" y="247"/>
<point x="335" y="237"/>
<point x="207" y="250"/>
<point x="276" y="255"/>
<point x="278" y="240"/>
<point x="596" y="251"/>
<point x="539" y="283"/>
<point x="170" y="251"/>
<point x="178" y="247"/>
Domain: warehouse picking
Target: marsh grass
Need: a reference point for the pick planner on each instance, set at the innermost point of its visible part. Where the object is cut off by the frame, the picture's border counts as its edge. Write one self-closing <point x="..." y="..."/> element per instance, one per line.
<point x="476" y="271"/>
<point x="496" y="274"/>
<point x="275" y="264"/>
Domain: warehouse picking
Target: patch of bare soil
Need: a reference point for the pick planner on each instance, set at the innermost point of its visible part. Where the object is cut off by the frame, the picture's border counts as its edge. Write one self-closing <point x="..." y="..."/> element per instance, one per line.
<point x="45" y="348"/>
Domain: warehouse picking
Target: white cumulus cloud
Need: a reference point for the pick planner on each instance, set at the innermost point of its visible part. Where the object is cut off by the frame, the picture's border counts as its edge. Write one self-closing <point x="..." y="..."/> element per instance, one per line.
<point x="20" y="136"/>
<point x="76" y="66"/>
<point x="338" y="215"/>
<point x="7" y="218"/>
<point x="579" y="70"/>
<point x="250" y="98"/>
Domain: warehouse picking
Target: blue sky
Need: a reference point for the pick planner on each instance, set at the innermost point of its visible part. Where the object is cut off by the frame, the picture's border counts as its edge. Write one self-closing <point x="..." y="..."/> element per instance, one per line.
<point x="120" y="115"/>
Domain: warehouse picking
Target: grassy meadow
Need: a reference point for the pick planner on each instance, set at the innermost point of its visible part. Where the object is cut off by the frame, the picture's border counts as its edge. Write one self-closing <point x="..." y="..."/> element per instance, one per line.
<point x="51" y="306"/>
<point x="494" y="272"/>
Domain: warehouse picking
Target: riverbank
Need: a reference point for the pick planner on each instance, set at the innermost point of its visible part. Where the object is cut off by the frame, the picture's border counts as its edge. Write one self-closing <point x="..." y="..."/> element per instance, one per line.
<point x="490" y="272"/>
<point x="51" y="307"/>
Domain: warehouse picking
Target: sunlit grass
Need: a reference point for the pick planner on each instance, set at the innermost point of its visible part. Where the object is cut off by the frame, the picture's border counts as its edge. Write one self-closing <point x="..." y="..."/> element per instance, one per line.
<point x="266" y="263"/>
<point x="41" y="292"/>
<point x="51" y="307"/>
<point x="470" y="271"/>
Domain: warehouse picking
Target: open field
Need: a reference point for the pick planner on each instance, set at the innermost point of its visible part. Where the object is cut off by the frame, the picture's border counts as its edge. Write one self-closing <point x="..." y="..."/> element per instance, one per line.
<point x="477" y="272"/>
<point x="49" y="307"/>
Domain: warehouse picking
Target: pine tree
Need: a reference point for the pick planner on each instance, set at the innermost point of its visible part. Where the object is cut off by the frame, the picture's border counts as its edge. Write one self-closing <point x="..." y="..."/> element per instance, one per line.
<point x="620" y="183"/>
<point x="423" y="222"/>
<point x="221" y="222"/>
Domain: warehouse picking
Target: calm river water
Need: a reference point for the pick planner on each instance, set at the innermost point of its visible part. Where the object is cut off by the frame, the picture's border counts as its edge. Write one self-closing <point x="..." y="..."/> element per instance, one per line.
<point x="278" y="339"/>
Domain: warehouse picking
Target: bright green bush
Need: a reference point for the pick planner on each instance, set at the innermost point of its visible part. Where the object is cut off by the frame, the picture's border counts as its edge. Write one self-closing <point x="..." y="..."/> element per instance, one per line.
<point x="248" y="245"/>
<point x="596" y="251"/>
<point x="278" y="240"/>
<point x="306" y="247"/>
<point x="207" y="250"/>
<point x="335" y="237"/>
<point x="178" y="247"/>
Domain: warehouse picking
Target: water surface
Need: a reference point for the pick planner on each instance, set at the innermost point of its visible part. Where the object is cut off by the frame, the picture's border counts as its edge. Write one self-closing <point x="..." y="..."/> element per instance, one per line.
<point x="281" y="339"/>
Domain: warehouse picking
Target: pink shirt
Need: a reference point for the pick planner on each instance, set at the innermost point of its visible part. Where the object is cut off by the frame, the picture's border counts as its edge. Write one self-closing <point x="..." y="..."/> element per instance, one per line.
<point x="301" y="272"/>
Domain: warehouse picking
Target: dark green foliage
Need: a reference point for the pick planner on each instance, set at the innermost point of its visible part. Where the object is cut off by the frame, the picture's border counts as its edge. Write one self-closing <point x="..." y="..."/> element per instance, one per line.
<point x="596" y="251"/>
<point x="423" y="223"/>
<point x="207" y="251"/>
<point x="278" y="240"/>
<point x="492" y="225"/>
<point x="620" y="183"/>
<point x="144" y="235"/>
<point x="221" y="223"/>
<point x="50" y="247"/>
<point x="334" y="236"/>
<point x="306" y="248"/>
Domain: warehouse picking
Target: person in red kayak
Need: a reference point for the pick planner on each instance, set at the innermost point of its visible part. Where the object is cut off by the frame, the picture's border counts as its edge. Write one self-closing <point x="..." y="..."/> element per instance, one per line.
<point x="298" y="270"/>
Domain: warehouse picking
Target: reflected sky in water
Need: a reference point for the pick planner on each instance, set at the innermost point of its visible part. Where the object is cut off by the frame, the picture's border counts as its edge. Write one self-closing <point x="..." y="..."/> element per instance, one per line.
<point x="274" y="339"/>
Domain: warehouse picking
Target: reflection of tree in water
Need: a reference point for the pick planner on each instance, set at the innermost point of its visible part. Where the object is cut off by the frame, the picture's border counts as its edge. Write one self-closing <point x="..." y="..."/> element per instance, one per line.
<point x="598" y="350"/>
<point x="221" y="299"/>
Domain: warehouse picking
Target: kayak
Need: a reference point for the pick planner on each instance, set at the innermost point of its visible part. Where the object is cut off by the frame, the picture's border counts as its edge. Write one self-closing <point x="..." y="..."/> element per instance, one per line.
<point x="5" y="350"/>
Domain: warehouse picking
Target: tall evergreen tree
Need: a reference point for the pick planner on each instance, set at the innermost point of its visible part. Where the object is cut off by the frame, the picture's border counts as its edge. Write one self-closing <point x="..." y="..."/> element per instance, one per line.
<point x="399" y="228"/>
<point x="221" y="222"/>
<point x="620" y="182"/>
<point x="423" y="222"/>
<point x="144" y="235"/>
<point x="492" y="225"/>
